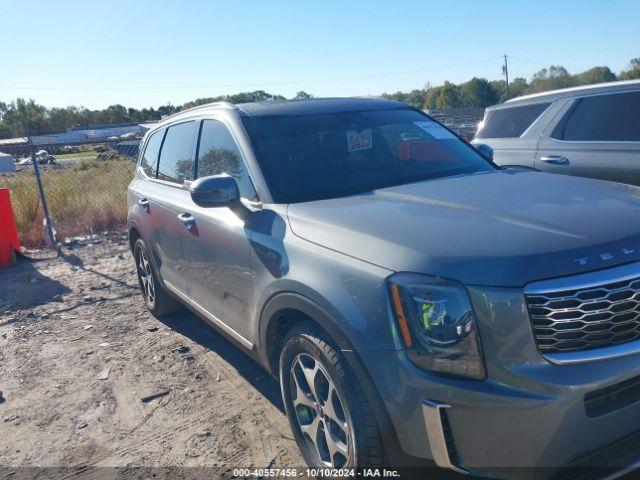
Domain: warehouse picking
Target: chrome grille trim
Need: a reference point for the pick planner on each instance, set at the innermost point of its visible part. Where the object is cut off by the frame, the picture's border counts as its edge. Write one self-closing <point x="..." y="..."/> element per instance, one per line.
<point x="594" y="355"/>
<point x="585" y="280"/>
<point x="587" y="317"/>
<point x="440" y="451"/>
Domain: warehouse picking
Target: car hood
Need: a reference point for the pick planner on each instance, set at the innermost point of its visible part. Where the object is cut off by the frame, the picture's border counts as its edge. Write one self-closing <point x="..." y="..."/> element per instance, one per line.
<point x="502" y="228"/>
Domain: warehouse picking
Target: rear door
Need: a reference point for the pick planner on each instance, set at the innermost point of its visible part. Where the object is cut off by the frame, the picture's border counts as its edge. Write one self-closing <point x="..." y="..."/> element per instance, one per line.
<point x="217" y="250"/>
<point x="598" y="136"/>
<point x="506" y="129"/>
<point x="139" y="206"/>
<point x="168" y="198"/>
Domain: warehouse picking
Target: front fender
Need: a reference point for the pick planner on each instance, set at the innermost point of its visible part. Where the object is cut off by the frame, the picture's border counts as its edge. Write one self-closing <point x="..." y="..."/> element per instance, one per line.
<point x="284" y="300"/>
<point x="292" y="300"/>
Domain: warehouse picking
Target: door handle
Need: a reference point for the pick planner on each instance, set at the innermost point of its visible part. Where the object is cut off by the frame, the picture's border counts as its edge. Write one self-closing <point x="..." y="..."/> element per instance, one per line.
<point x="144" y="203"/>
<point x="555" y="160"/>
<point x="188" y="220"/>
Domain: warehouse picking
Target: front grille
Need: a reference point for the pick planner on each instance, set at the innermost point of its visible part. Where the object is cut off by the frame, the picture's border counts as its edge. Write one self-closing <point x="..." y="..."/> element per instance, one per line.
<point x="583" y="319"/>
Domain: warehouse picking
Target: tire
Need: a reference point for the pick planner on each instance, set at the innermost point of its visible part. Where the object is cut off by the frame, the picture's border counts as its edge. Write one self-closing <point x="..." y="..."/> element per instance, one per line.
<point x="157" y="300"/>
<point x="335" y="408"/>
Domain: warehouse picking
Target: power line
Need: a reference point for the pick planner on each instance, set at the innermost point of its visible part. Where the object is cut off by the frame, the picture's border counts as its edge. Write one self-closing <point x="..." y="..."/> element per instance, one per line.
<point x="258" y="84"/>
<point x="532" y="62"/>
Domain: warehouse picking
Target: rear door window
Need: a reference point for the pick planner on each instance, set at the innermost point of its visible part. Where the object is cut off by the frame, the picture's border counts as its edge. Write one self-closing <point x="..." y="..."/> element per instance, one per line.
<point x="510" y="122"/>
<point x="149" y="163"/>
<point x="602" y="118"/>
<point x="176" y="157"/>
<point x="218" y="153"/>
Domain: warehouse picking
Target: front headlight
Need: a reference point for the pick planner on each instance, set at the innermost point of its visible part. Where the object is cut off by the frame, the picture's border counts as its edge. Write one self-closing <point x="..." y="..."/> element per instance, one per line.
<point x="437" y="325"/>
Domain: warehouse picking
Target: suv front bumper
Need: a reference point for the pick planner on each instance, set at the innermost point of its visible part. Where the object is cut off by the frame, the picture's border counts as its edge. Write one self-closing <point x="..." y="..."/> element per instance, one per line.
<point x="529" y="419"/>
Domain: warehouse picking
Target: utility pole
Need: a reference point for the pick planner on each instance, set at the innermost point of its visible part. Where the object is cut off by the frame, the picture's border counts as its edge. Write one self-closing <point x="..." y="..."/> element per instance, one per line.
<point x="505" y="72"/>
<point x="43" y="197"/>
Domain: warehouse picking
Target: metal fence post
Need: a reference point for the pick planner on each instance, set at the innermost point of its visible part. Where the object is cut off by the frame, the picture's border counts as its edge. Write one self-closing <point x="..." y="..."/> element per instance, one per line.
<point x="43" y="198"/>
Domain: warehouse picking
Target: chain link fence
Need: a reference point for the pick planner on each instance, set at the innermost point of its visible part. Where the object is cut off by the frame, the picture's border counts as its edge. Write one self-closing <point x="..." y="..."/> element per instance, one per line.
<point x="84" y="186"/>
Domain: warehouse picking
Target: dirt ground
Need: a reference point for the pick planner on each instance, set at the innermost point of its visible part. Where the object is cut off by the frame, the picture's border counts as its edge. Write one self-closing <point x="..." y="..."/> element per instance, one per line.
<point x="79" y="352"/>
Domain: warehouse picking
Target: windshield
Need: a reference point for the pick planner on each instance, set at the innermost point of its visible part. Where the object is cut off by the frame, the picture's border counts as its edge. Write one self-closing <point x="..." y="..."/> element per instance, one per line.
<point x="312" y="157"/>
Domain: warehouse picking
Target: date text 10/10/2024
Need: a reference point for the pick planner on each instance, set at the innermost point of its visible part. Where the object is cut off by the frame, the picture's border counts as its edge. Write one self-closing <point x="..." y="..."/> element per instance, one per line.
<point x="316" y="472"/>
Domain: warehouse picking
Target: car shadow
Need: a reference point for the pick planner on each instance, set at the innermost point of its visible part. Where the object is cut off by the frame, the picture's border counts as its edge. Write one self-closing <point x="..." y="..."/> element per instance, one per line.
<point x="22" y="286"/>
<point x="77" y="262"/>
<point x="188" y="324"/>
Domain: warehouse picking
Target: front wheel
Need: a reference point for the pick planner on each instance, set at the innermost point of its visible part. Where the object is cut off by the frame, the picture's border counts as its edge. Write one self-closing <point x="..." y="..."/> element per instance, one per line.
<point x="330" y="417"/>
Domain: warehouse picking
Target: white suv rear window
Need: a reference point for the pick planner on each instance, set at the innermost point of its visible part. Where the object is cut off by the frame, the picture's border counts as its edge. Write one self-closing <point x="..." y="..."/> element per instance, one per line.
<point x="510" y="122"/>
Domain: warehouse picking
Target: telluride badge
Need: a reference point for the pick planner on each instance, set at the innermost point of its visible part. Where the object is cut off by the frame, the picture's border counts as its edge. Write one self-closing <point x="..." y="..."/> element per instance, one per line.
<point x="604" y="256"/>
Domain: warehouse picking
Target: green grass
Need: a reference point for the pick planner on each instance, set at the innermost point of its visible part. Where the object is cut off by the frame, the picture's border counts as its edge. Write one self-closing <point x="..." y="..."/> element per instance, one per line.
<point x="87" y="198"/>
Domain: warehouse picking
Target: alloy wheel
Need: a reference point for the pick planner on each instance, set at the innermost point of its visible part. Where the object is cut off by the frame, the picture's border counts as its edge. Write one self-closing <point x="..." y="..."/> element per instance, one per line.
<point x="320" y="412"/>
<point x="146" y="277"/>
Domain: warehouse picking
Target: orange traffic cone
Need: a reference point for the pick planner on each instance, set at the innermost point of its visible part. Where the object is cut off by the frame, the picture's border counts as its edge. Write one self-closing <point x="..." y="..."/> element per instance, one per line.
<point x="9" y="243"/>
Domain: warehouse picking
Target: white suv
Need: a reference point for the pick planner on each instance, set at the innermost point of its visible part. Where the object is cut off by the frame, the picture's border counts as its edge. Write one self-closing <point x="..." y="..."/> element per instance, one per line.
<point x="591" y="131"/>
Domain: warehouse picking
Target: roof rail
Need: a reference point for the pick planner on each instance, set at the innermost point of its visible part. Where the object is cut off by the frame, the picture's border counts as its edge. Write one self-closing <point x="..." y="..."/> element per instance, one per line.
<point x="201" y="107"/>
<point x="620" y="84"/>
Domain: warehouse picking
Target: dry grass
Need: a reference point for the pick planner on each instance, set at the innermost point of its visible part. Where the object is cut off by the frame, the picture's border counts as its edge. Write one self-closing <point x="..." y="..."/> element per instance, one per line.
<point x="89" y="197"/>
<point x="80" y="154"/>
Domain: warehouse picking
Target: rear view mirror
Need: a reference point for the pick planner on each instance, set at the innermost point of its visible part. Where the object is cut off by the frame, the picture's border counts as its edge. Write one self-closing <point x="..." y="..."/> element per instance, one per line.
<point x="215" y="191"/>
<point x="485" y="149"/>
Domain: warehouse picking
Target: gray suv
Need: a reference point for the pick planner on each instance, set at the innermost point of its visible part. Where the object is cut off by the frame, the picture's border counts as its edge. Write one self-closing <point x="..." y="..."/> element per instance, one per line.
<point x="416" y="302"/>
<point x="591" y="131"/>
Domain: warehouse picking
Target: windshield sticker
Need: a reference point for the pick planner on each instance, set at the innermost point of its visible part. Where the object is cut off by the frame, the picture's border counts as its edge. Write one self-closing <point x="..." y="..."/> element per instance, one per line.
<point x="436" y="130"/>
<point x="359" y="140"/>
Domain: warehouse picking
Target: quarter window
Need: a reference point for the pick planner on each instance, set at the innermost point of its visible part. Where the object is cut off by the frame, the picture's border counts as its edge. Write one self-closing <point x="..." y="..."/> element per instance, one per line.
<point x="510" y="122"/>
<point x="218" y="153"/>
<point x="149" y="163"/>
<point x="176" y="157"/>
<point x="612" y="118"/>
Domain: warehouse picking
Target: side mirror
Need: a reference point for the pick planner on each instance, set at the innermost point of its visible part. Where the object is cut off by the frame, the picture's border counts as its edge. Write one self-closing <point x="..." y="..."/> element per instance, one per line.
<point x="485" y="149"/>
<point x="215" y="191"/>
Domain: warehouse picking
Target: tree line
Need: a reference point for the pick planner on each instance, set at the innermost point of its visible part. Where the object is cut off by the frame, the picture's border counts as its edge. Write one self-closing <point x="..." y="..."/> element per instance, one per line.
<point x="479" y="92"/>
<point x="23" y="117"/>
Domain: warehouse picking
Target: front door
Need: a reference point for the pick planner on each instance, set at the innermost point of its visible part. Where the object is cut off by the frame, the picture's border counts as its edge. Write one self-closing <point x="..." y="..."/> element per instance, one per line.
<point x="217" y="250"/>
<point x="597" y="137"/>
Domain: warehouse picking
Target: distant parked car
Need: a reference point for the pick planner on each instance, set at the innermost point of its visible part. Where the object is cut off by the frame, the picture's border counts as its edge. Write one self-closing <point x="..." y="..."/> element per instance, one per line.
<point x="43" y="158"/>
<point x="591" y="131"/>
<point x="70" y="149"/>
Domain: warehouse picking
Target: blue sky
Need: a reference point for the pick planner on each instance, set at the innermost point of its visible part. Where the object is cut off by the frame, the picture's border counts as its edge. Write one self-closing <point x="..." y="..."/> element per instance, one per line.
<point x="146" y="53"/>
